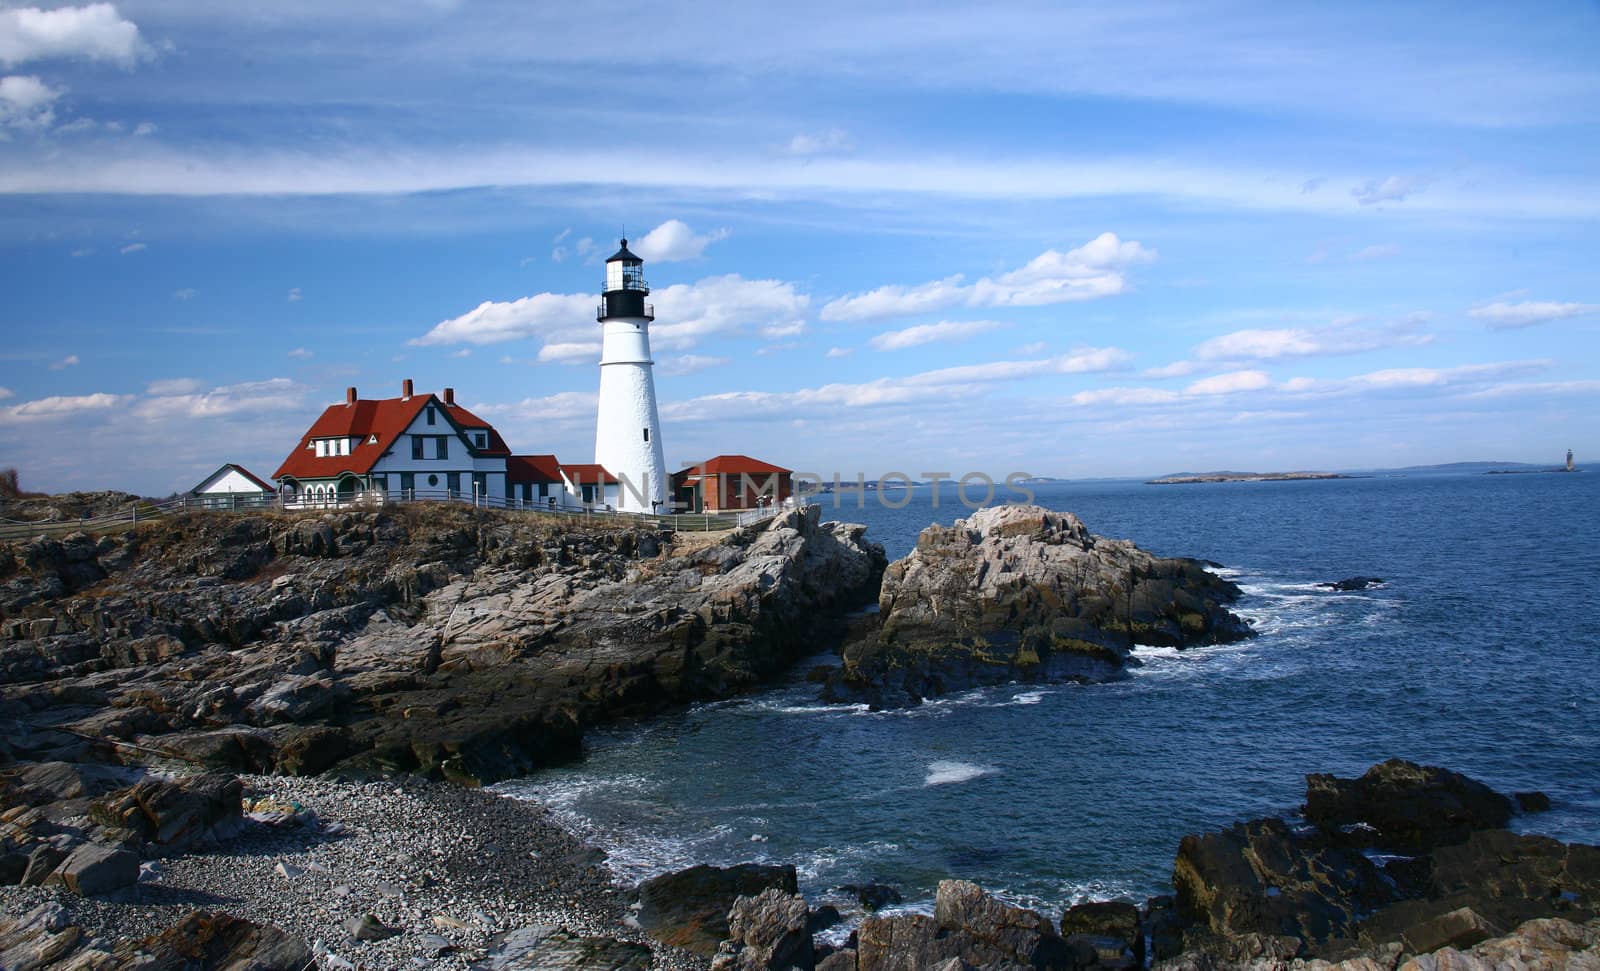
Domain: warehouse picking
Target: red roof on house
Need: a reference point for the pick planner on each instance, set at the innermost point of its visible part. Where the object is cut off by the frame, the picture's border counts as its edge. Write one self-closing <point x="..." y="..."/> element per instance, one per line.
<point x="734" y="465"/>
<point x="589" y="473"/>
<point x="385" y="418"/>
<point x="533" y="468"/>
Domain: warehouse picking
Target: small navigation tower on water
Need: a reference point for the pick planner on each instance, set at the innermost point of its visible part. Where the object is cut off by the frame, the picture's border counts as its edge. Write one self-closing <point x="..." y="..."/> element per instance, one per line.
<point x="1569" y="460"/>
<point x="627" y="438"/>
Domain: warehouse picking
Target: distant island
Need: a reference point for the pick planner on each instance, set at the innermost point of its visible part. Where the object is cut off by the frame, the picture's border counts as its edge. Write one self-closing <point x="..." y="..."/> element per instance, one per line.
<point x="1189" y="478"/>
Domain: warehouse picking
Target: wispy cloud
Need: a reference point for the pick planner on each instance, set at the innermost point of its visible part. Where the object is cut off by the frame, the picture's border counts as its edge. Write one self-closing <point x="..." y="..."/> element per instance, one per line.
<point x="947" y="330"/>
<point x="60" y="406"/>
<point x="300" y="354"/>
<point x="133" y="248"/>
<point x="681" y="364"/>
<point x="26" y="103"/>
<point x="1095" y="269"/>
<point x="294" y="295"/>
<point x="832" y="140"/>
<point x="187" y="293"/>
<point x="1395" y="188"/>
<point x="1510" y="316"/>
<point x="71" y="360"/>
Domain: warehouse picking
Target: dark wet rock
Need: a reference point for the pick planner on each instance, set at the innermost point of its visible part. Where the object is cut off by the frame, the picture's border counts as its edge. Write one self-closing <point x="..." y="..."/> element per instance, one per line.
<point x="1113" y="929"/>
<point x="1407" y="806"/>
<point x="1353" y="583"/>
<point x="873" y="896"/>
<point x="1019" y="593"/>
<point x="1532" y="802"/>
<point x="689" y="909"/>
<point x="768" y="932"/>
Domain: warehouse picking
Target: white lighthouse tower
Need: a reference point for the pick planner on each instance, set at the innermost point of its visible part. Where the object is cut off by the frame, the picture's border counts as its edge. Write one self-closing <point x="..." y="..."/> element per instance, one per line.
<point x="627" y="436"/>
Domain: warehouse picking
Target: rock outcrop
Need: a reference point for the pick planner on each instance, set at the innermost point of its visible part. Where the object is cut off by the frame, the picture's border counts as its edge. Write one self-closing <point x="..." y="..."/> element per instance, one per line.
<point x="1265" y="893"/>
<point x="45" y="937"/>
<point x="438" y="640"/>
<point x="690" y="909"/>
<point x="1019" y="593"/>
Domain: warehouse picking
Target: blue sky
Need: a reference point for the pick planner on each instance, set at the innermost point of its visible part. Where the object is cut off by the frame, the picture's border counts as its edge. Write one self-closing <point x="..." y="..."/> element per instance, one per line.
<point x="1073" y="240"/>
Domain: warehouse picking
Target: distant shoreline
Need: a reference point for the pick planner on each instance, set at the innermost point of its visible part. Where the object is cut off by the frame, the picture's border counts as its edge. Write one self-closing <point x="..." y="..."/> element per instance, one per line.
<point x="1247" y="477"/>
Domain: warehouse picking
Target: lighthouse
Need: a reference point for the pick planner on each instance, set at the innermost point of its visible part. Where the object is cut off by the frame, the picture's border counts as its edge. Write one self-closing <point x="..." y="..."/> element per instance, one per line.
<point x="627" y="437"/>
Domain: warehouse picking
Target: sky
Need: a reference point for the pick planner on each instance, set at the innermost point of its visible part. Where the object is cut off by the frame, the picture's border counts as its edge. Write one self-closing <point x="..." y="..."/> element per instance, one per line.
<point x="1060" y="239"/>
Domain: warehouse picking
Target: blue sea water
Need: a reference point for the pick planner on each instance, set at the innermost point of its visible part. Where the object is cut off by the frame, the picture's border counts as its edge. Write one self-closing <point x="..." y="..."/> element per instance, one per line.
<point x="1481" y="653"/>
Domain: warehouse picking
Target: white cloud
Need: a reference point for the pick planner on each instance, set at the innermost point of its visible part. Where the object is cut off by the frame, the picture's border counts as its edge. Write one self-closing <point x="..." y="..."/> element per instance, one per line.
<point x="294" y="295"/>
<point x="1536" y="388"/>
<point x="1343" y="336"/>
<point x="1379" y="251"/>
<point x="27" y="103"/>
<point x="587" y="247"/>
<point x="187" y="293"/>
<point x="6" y="393"/>
<point x="71" y="360"/>
<point x="172" y="386"/>
<point x="1177" y="369"/>
<point x="1230" y="382"/>
<point x="838" y="352"/>
<point x="1095" y="269"/>
<point x="832" y="140"/>
<point x="1413" y="378"/>
<point x="96" y="32"/>
<point x="1509" y="316"/>
<point x="1083" y="360"/>
<point x="690" y="363"/>
<point x="562" y="405"/>
<point x="1126" y="396"/>
<point x="1395" y="188"/>
<point x="82" y="251"/>
<point x="543" y="316"/>
<point x="60" y="406"/>
<point x="947" y="330"/>
<point x="300" y="353"/>
<point x="250" y="397"/>
<point x="144" y="128"/>
<point x="464" y="352"/>
<point x="575" y="352"/>
<point x="725" y="306"/>
<point x="1031" y="350"/>
<point x="673" y="241"/>
<point x="134" y="248"/>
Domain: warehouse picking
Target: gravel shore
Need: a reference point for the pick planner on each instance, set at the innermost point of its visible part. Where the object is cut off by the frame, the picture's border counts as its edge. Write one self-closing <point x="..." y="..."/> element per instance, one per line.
<point x="447" y="867"/>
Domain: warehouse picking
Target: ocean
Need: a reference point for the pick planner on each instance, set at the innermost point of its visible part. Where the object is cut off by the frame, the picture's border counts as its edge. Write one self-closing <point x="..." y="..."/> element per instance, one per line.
<point x="1481" y="652"/>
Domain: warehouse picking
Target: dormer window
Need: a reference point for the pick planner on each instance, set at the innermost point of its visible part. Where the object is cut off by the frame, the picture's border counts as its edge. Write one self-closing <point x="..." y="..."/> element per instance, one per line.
<point x="481" y="439"/>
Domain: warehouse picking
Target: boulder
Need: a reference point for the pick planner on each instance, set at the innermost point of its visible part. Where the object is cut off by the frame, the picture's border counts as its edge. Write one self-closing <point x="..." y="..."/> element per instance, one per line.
<point x="173" y="812"/>
<point x="1020" y="593"/>
<point x="218" y="940"/>
<point x="1409" y="807"/>
<point x="689" y="909"/>
<point x="873" y="896"/>
<point x="369" y="928"/>
<point x="768" y="932"/>
<point x="94" y="869"/>
<point x="1353" y="583"/>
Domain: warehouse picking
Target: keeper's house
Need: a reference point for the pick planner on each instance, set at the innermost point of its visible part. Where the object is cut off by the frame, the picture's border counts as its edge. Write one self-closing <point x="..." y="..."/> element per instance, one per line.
<point x="416" y="446"/>
<point x="730" y="482"/>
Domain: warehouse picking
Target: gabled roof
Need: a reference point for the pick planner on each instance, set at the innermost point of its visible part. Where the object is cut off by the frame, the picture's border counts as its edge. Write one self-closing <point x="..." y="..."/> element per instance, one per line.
<point x="386" y="418"/>
<point x="734" y="465"/>
<point x="588" y="474"/>
<point x="533" y="468"/>
<point x="263" y="486"/>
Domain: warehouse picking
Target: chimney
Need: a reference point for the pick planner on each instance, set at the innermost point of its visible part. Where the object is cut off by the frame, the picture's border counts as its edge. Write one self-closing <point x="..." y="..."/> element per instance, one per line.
<point x="405" y="390"/>
<point x="449" y="396"/>
<point x="349" y="396"/>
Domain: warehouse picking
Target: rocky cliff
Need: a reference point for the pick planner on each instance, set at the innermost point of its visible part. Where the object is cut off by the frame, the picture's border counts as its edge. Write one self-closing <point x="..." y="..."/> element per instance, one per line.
<point x="435" y="640"/>
<point x="1020" y="593"/>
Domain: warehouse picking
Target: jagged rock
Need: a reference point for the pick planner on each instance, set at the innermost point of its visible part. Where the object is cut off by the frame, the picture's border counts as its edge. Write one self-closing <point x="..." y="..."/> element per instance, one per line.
<point x="94" y="869"/>
<point x="549" y="948"/>
<point x="689" y="909"/>
<point x="173" y="812"/>
<point x="1019" y="593"/>
<point x="843" y="959"/>
<point x="217" y="940"/>
<point x="1532" y="802"/>
<point x="1410" y="806"/>
<point x="38" y="938"/>
<point x="968" y="926"/>
<point x="768" y="932"/>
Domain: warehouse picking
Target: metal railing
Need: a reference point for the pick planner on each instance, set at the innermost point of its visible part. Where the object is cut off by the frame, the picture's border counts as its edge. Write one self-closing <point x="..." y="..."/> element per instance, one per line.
<point x="372" y="499"/>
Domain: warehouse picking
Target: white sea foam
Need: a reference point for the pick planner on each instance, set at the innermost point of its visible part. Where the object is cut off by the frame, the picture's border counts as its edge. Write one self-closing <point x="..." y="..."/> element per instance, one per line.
<point x="944" y="772"/>
<point x="1028" y="698"/>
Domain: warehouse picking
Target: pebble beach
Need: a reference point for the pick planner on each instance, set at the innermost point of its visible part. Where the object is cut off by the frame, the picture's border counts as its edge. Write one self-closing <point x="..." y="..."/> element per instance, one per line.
<point x="446" y="868"/>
